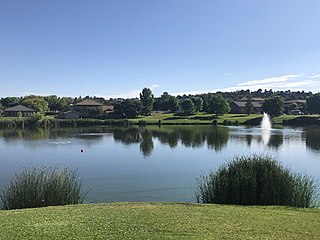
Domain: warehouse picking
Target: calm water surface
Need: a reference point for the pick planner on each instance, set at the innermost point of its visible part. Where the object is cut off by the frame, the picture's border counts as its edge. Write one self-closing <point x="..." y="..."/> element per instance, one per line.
<point x="152" y="164"/>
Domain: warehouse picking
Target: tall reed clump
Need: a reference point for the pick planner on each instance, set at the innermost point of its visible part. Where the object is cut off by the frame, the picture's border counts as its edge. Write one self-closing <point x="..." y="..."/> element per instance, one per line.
<point x="41" y="187"/>
<point x="256" y="180"/>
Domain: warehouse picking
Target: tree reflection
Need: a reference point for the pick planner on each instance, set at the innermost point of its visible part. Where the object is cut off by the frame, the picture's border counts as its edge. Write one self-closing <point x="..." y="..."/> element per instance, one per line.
<point x="25" y="134"/>
<point x="194" y="137"/>
<point x="218" y="138"/>
<point x="127" y="136"/>
<point x="313" y="138"/>
<point x="146" y="145"/>
<point x="275" y="141"/>
<point x="249" y="139"/>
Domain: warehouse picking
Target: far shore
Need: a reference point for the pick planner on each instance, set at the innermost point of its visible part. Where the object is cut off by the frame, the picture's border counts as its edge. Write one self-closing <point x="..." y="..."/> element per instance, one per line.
<point x="163" y="119"/>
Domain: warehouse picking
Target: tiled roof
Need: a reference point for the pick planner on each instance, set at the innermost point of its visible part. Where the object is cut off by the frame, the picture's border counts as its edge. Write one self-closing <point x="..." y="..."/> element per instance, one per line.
<point x="19" y="108"/>
<point x="301" y="101"/>
<point x="243" y="104"/>
<point x="107" y="108"/>
<point x="88" y="102"/>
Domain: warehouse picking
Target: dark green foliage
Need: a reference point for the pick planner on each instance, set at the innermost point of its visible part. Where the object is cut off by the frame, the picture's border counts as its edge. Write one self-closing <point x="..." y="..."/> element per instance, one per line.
<point x="146" y="98"/>
<point x="37" y="103"/>
<point x="10" y="101"/>
<point x="166" y="102"/>
<point x="274" y="106"/>
<point x="40" y="187"/>
<point x="198" y="103"/>
<point x="256" y="180"/>
<point x="217" y="104"/>
<point x="187" y="106"/>
<point x="128" y="108"/>
<point x="35" y="119"/>
<point x="313" y="104"/>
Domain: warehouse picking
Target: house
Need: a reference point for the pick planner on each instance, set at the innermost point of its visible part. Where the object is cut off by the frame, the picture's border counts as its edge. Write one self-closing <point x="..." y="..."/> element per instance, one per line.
<point x="239" y="106"/>
<point x="87" y="108"/>
<point x="69" y="115"/>
<point x="107" y="109"/>
<point x="14" y="111"/>
<point x="300" y="104"/>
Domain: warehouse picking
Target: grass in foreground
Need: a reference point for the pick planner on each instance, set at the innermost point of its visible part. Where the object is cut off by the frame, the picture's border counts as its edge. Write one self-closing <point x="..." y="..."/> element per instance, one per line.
<point x="160" y="221"/>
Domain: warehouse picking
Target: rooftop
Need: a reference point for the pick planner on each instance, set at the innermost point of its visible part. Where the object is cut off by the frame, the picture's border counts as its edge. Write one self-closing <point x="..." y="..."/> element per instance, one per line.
<point x="88" y="102"/>
<point x="19" y="108"/>
<point x="243" y="104"/>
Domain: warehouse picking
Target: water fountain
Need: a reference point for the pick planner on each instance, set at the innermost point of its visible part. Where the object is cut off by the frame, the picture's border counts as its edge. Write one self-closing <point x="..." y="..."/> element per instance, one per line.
<point x="266" y="128"/>
<point x="266" y="122"/>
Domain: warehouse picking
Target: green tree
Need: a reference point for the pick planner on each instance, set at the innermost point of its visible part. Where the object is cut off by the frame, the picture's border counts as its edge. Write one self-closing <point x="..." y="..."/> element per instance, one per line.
<point x="128" y="108"/>
<point x="167" y="102"/>
<point x="217" y="104"/>
<point x="198" y="103"/>
<point x="37" y="103"/>
<point x="274" y="106"/>
<point x="249" y="106"/>
<point x="313" y="104"/>
<point x="52" y="101"/>
<point x="146" y="98"/>
<point x="10" y="101"/>
<point x="187" y="106"/>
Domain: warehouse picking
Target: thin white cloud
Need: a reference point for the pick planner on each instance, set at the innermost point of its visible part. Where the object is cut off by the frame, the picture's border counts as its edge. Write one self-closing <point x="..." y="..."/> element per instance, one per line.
<point x="131" y="94"/>
<point x="35" y="94"/>
<point x="315" y="76"/>
<point x="270" y="80"/>
<point x="292" y="82"/>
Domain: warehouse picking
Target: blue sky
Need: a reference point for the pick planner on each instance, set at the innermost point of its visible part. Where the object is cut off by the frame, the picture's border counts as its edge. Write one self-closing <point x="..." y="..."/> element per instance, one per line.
<point x="114" y="48"/>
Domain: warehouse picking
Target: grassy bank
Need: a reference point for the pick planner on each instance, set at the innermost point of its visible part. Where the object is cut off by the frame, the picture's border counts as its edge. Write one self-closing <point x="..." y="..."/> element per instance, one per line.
<point x="200" y="118"/>
<point x="160" y="221"/>
<point x="203" y="118"/>
<point x="166" y="119"/>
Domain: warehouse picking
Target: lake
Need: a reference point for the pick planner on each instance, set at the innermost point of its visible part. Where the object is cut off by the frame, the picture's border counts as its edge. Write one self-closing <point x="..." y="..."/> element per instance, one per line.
<point x="152" y="163"/>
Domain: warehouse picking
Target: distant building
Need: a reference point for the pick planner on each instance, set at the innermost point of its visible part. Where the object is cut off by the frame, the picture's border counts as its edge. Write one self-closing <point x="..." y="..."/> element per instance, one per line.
<point x="107" y="109"/>
<point x="296" y="112"/>
<point x="239" y="106"/>
<point x="69" y="115"/>
<point x="87" y="108"/>
<point x="14" y="111"/>
<point x="300" y="103"/>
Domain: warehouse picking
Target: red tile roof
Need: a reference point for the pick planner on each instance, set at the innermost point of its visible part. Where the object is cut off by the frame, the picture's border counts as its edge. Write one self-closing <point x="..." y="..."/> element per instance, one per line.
<point x="88" y="102"/>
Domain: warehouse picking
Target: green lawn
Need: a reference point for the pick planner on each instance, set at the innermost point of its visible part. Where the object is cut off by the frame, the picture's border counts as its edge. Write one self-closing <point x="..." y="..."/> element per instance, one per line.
<point x="204" y="118"/>
<point x="278" y="120"/>
<point x="200" y="118"/>
<point x="160" y="221"/>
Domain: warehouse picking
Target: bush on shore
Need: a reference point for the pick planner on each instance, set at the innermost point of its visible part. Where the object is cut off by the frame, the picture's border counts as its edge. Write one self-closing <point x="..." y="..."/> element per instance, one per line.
<point x="41" y="187"/>
<point x="257" y="180"/>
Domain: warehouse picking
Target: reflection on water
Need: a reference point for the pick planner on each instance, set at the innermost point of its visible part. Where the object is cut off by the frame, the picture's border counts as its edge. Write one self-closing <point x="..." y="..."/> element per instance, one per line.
<point x="215" y="138"/>
<point x="152" y="163"/>
<point x="266" y="134"/>
<point x="312" y="136"/>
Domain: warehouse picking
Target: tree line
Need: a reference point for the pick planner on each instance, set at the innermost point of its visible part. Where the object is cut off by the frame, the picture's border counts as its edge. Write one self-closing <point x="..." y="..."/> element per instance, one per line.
<point x="214" y="103"/>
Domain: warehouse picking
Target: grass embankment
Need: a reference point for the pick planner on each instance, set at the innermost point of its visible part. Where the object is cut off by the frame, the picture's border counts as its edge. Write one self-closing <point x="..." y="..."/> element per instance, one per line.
<point x="200" y="118"/>
<point x="203" y="118"/>
<point x="160" y="221"/>
<point x="169" y="119"/>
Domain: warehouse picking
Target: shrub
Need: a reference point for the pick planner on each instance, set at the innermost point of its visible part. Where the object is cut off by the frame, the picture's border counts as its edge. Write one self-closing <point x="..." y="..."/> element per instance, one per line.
<point x="256" y="180"/>
<point x="34" y="119"/>
<point x="41" y="187"/>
